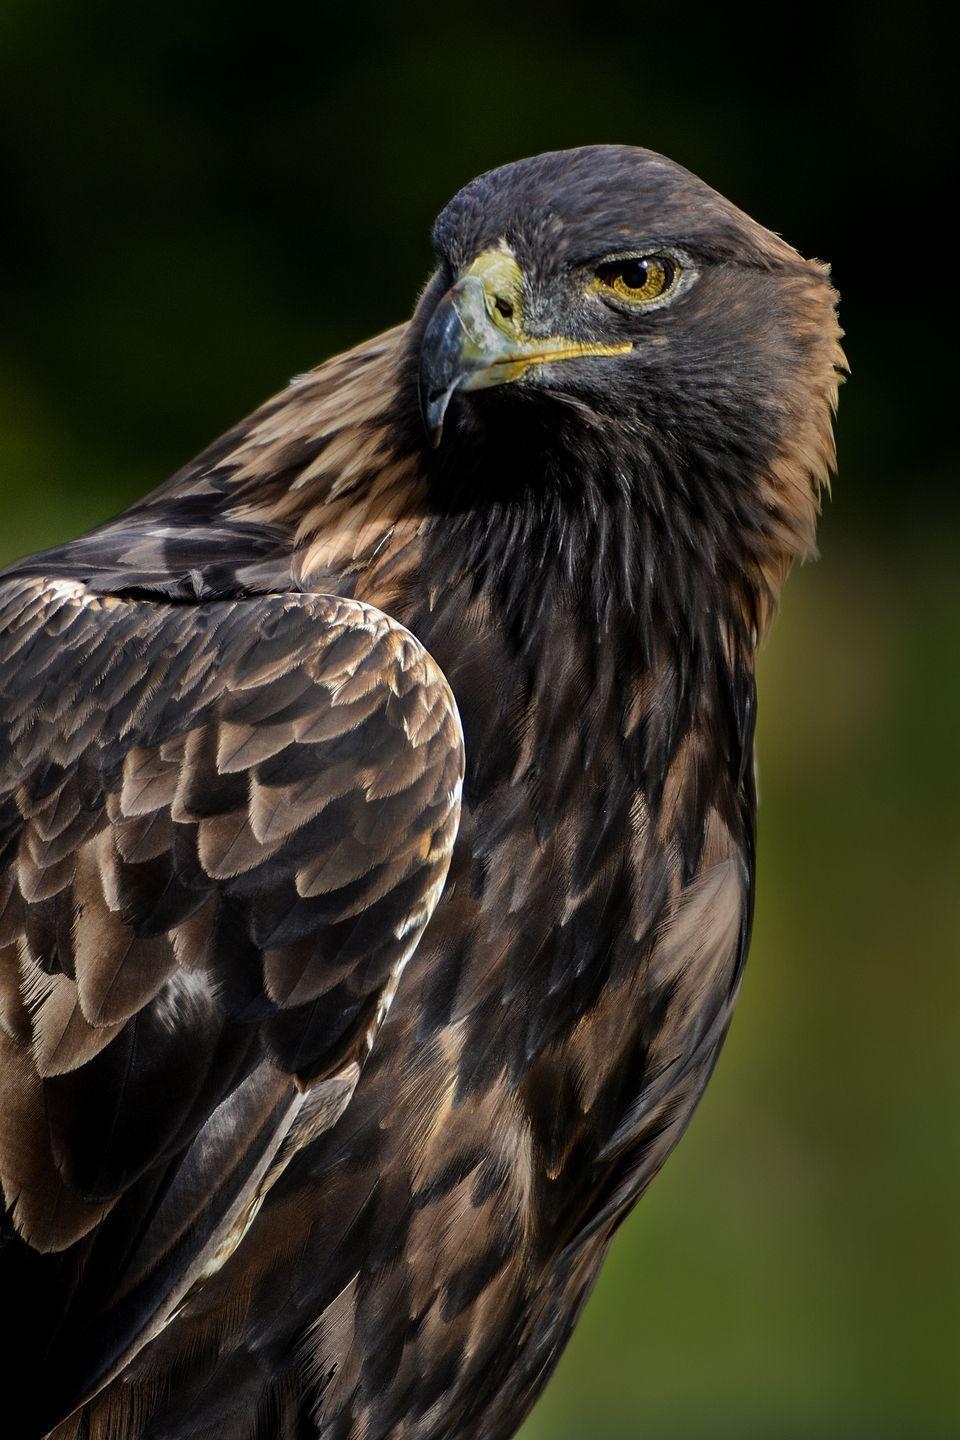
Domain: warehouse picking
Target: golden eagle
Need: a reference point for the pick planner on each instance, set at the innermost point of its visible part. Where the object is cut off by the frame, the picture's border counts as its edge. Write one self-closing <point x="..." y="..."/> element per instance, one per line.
<point x="377" y="829"/>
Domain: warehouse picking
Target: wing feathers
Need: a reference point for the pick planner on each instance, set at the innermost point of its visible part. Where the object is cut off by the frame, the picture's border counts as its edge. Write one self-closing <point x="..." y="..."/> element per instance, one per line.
<point x="222" y="829"/>
<point x="63" y="1037"/>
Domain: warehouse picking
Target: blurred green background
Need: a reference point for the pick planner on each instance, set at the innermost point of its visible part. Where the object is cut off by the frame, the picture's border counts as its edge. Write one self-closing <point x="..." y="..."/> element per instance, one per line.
<point x="203" y="198"/>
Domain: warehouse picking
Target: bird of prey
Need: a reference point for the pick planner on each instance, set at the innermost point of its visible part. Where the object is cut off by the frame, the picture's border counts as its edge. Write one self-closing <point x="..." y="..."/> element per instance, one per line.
<point x="377" y="829"/>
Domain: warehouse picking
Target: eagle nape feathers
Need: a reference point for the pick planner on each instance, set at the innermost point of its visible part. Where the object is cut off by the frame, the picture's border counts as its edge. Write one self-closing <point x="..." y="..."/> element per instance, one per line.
<point x="377" y="829"/>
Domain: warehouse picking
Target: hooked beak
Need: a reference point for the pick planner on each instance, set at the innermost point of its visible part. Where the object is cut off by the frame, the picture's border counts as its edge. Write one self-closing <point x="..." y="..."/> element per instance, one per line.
<point x="475" y="339"/>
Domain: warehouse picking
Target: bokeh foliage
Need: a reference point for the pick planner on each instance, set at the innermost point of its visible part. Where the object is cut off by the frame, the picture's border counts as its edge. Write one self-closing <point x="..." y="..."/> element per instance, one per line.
<point x="202" y="199"/>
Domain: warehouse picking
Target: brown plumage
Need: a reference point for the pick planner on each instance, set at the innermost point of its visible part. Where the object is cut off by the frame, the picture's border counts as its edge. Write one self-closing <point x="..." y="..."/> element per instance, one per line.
<point x="300" y="1134"/>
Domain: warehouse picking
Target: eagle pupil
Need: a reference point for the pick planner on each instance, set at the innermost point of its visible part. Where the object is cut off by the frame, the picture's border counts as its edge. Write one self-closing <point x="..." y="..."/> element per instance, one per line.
<point x="635" y="273"/>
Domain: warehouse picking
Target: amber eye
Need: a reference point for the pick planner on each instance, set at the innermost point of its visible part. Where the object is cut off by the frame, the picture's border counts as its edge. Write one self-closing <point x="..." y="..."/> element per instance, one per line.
<point x="638" y="278"/>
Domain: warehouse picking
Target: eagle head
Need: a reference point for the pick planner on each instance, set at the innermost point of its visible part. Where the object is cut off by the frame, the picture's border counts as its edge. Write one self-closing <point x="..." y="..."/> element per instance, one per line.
<point x="605" y="326"/>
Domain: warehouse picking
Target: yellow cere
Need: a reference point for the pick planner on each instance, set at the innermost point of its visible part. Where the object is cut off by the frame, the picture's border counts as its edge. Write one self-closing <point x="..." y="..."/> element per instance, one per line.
<point x="503" y="283"/>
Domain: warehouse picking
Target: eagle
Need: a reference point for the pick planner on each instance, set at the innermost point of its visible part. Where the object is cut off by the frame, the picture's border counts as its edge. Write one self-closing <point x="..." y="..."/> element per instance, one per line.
<point x="377" y="829"/>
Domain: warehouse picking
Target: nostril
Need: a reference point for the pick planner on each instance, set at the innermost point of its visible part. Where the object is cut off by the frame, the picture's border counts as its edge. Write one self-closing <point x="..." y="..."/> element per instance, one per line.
<point x="504" y="307"/>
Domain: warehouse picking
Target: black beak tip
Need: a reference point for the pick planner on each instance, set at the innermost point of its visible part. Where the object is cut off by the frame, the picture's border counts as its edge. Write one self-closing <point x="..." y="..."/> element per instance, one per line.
<point x="441" y="367"/>
<point x="433" y="408"/>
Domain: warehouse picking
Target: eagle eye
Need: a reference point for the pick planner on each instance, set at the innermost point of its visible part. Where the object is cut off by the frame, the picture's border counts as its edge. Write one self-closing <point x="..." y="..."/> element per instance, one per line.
<point x="638" y="278"/>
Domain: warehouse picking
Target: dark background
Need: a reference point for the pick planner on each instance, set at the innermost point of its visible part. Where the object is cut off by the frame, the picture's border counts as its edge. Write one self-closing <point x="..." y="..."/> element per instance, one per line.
<point x="201" y="199"/>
